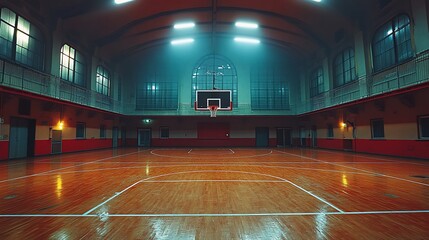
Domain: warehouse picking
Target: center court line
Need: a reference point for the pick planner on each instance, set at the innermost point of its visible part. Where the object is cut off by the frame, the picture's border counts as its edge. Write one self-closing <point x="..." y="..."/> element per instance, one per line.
<point x="375" y="173"/>
<point x="187" y="157"/>
<point x="217" y="214"/>
<point x="77" y="165"/>
<point x="212" y="171"/>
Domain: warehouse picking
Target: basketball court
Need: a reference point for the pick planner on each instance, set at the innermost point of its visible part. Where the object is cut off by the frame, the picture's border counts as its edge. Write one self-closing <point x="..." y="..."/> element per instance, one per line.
<point x="214" y="193"/>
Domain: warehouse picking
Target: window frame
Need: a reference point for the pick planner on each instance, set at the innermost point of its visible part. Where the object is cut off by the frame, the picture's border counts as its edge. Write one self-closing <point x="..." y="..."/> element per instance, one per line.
<point x="317" y="82"/>
<point x="163" y="128"/>
<point x="419" y="126"/>
<point x="372" y="121"/>
<point x="103" y="81"/>
<point x="83" y="125"/>
<point x="330" y="131"/>
<point x="27" y="44"/>
<point x="346" y="60"/>
<point x="78" y="59"/>
<point x="394" y="31"/>
<point x="102" y="131"/>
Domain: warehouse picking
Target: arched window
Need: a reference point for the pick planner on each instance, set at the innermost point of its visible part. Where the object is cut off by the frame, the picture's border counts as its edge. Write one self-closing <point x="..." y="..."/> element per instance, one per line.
<point x="20" y="40"/>
<point x="316" y="82"/>
<point x="215" y="72"/>
<point x="344" y="67"/>
<point x="392" y="43"/>
<point x="102" y="82"/>
<point x="72" y="65"/>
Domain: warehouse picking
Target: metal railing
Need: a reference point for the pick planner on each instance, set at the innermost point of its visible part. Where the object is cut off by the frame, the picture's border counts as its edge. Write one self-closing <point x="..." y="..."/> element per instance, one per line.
<point x="22" y="78"/>
<point x="413" y="72"/>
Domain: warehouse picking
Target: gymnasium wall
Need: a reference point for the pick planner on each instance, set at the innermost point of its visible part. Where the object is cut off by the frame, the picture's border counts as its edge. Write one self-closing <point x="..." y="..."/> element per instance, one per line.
<point x="183" y="131"/>
<point x="399" y="113"/>
<point x="47" y="114"/>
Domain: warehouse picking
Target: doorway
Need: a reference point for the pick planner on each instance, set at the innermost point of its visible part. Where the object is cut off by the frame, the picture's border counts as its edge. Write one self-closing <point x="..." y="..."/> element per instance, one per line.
<point x="144" y="136"/>
<point x="262" y="136"/>
<point x="314" y="136"/>
<point x="114" y="137"/>
<point x="284" y="137"/>
<point x="56" y="141"/>
<point x="22" y="137"/>
<point x="123" y="137"/>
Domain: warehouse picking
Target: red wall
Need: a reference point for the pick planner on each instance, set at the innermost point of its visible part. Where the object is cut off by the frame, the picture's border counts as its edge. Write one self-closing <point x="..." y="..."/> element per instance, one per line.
<point x="330" y="143"/>
<point x="4" y="150"/>
<point x="42" y="147"/>
<point x="402" y="148"/>
<point x="76" y="145"/>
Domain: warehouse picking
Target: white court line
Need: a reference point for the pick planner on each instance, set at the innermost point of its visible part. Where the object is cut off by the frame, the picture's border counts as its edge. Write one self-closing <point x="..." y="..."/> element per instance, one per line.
<point x="336" y="164"/>
<point x="216" y="180"/>
<point x="187" y="157"/>
<point x="218" y="214"/>
<point x="212" y="171"/>
<point x="231" y="151"/>
<point x="190" y="151"/>
<point x="54" y="170"/>
<point x="223" y="163"/>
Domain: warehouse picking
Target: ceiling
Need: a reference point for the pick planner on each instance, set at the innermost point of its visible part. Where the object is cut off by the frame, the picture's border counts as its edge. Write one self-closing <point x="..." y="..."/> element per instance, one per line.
<point x="301" y="27"/>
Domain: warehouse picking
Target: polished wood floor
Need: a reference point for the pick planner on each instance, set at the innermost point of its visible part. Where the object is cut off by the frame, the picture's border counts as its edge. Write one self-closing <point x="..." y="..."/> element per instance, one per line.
<point x="214" y="194"/>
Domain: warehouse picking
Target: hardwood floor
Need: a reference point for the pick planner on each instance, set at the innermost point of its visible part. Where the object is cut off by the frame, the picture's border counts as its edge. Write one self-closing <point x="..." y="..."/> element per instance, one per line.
<point x="214" y="194"/>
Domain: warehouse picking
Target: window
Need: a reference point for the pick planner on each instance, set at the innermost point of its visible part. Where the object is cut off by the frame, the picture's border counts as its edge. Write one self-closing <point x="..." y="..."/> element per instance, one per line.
<point x="424" y="127"/>
<point x="330" y="131"/>
<point x="164" y="132"/>
<point x="102" y="84"/>
<point x="72" y="65"/>
<point x="157" y="92"/>
<point x="214" y="71"/>
<point x="20" y="40"/>
<point x="377" y="128"/>
<point x="392" y="43"/>
<point x="344" y="67"/>
<point x="102" y="131"/>
<point x="269" y="90"/>
<point x="316" y="82"/>
<point x="80" y="130"/>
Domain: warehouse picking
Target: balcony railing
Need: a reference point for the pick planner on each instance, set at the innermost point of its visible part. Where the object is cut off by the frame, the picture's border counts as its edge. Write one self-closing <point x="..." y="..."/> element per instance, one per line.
<point x="413" y="72"/>
<point x="22" y="78"/>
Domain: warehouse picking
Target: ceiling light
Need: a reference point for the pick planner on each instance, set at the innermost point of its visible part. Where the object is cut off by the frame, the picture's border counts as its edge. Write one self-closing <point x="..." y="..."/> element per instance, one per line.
<point x="182" y="41"/>
<point x="247" y="40"/>
<point x="317" y="0"/>
<point x="122" y="1"/>
<point x="246" y="25"/>
<point x="184" y="25"/>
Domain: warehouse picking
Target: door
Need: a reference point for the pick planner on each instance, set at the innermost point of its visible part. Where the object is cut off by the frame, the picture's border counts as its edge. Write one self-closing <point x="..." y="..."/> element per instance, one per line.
<point x="22" y="137"/>
<point x="262" y="136"/>
<point x="114" y="137"/>
<point x="284" y="137"/>
<point x="314" y="136"/>
<point x="144" y="137"/>
<point x="56" y="141"/>
<point x="123" y="137"/>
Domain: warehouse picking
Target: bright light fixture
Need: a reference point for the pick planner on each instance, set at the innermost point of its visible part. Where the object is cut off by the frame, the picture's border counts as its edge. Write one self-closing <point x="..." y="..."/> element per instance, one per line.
<point x="317" y="0"/>
<point x="247" y="40"/>
<point x="122" y="1"/>
<point x="246" y="25"/>
<point x="184" y="25"/>
<point x="182" y="41"/>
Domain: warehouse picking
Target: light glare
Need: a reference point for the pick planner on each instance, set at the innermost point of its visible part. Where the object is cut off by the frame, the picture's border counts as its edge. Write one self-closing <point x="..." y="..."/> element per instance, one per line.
<point x="247" y="40"/>
<point x="122" y="1"/>
<point x="184" y="25"/>
<point x="182" y="41"/>
<point x="246" y="25"/>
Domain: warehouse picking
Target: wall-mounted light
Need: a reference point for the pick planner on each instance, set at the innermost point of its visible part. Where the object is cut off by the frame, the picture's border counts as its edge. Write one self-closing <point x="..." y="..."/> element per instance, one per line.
<point x="343" y="125"/>
<point x="122" y="1"/>
<point x="147" y="121"/>
<point x="60" y="125"/>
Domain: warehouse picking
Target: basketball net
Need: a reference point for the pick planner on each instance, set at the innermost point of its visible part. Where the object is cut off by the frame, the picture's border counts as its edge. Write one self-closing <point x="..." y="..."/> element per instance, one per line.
<point x="213" y="110"/>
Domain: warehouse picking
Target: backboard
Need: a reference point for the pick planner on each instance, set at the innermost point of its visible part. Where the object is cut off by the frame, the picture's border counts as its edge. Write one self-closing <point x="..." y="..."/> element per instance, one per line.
<point x="220" y="98"/>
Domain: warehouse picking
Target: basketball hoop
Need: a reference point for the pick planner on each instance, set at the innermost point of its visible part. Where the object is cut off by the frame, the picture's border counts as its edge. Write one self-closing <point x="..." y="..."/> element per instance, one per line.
<point x="213" y="110"/>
